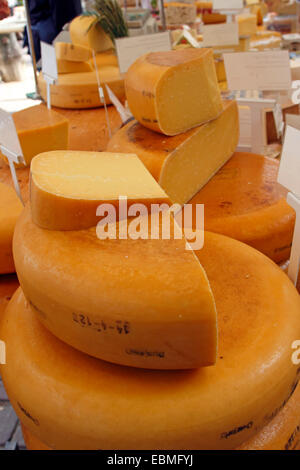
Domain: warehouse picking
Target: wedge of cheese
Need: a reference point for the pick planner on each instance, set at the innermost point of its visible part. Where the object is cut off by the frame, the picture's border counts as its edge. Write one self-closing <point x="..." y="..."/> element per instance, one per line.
<point x="80" y="90"/>
<point x="244" y="201"/>
<point x="119" y="298"/>
<point x="67" y="187"/>
<point x="184" y="163"/>
<point x="172" y="92"/>
<point x="226" y="404"/>
<point x="84" y="33"/>
<point x="10" y="209"/>
<point x="72" y="52"/>
<point x="67" y="66"/>
<point x="39" y="130"/>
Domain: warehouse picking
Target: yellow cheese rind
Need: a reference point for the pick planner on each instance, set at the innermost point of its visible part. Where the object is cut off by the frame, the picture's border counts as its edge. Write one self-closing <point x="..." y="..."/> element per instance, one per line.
<point x="67" y="66"/>
<point x="93" y="37"/>
<point x="72" y="52"/>
<point x="185" y="163"/>
<point x="10" y="209"/>
<point x="80" y="90"/>
<point x="104" y="58"/>
<point x="110" y="304"/>
<point x="222" y="406"/>
<point x="172" y="92"/>
<point x="67" y="187"/>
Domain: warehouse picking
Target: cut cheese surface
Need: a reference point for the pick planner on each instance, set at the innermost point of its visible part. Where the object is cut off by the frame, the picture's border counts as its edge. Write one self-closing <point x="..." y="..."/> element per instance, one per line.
<point x="66" y="66"/>
<point x="217" y="407"/>
<point x="10" y="209"/>
<point x="40" y="129"/>
<point x="244" y="201"/>
<point x="73" y="52"/>
<point x="83" y="33"/>
<point x="185" y="163"/>
<point x="119" y="299"/>
<point x="174" y="91"/>
<point x="67" y="187"/>
<point x="80" y="90"/>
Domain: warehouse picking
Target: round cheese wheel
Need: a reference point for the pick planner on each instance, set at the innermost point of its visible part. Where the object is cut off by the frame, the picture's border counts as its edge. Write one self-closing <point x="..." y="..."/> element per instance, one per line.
<point x="69" y="400"/>
<point x="244" y="201"/>
<point x="10" y="209"/>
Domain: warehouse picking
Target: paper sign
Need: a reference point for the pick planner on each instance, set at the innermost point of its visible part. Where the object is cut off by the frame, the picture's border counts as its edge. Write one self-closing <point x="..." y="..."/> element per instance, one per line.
<point x="49" y="64"/>
<point x="9" y="137"/>
<point x="226" y="34"/>
<point x="228" y="4"/>
<point x="289" y="170"/>
<point x="258" y="70"/>
<point x="245" y="128"/>
<point x="294" y="265"/>
<point x="293" y="120"/>
<point x="129" y="49"/>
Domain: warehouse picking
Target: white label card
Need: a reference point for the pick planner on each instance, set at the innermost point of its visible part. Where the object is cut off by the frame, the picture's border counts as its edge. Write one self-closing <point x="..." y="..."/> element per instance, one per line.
<point x="49" y="64"/>
<point x="258" y="70"/>
<point x="289" y="170"/>
<point x="8" y="135"/>
<point x="226" y="34"/>
<point x="245" y="127"/>
<point x="129" y="49"/>
<point x="228" y="4"/>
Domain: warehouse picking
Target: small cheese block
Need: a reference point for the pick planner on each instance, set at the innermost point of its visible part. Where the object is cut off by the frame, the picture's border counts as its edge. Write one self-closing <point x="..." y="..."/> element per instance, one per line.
<point x="80" y="90"/>
<point x="247" y="24"/>
<point x="174" y="91"/>
<point x="185" y="163"/>
<point x="222" y="406"/>
<point x="180" y="13"/>
<point x="104" y="58"/>
<point x="40" y="129"/>
<point x="119" y="299"/>
<point x="10" y="209"/>
<point x="67" y="66"/>
<point x="67" y="187"/>
<point x="83" y="33"/>
<point x="8" y="285"/>
<point x="73" y="52"/>
<point x="244" y="201"/>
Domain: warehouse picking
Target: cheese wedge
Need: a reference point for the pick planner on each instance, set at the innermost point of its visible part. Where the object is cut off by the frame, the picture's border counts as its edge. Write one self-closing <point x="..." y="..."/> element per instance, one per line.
<point x="119" y="299"/>
<point x="174" y="91"/>
<point x="259" y="318"/>
<point x="80" y="90"/>
<point x="67" y="66"/>
<point x="39" y="130"/>
<point x="83" y="33"/>
<point x="73" y="52"/>
<point x="244" y="201"/>
<point x="10" y="209"/>
<point x="185" y="163"/>
<point x="67" y="187"/>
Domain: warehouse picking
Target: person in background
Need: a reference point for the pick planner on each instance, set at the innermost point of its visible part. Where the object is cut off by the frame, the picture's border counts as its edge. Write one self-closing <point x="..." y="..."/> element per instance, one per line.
<point x="4" y="9"/>
<point x="48" y="18"/>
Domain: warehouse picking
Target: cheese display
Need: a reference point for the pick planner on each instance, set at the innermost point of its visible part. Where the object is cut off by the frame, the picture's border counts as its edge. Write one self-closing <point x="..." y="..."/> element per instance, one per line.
<point x="84" y="33"/>
<point x="259" y="318"/>
<point x="180" y="13"/>
<point x="180" y="164"/>
<point x="80" y="90"/>
<point x="244" y="201"/>
<point x="247" y="24"/>
<point x="67" y="187"/>
<point x="171" y="92"/>
<point x="10" y="209"/>
<point x="40" y="129"/>
<point x="66" y="66"/>
<point x="74" y="52"/>
<point x="87" y="296"/>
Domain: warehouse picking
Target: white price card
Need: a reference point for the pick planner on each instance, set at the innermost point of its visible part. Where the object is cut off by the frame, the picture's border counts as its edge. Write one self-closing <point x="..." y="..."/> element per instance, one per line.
<point x="245" y="141"/>
<point x="49" y="64"/>
<point x="225" y="34"/>
<point x="228" y="4"/>
<point x="129" y="49"/>
<point x="8" y="136"/>
<point x="289" y="170"/>
<point x="258" y="70"/>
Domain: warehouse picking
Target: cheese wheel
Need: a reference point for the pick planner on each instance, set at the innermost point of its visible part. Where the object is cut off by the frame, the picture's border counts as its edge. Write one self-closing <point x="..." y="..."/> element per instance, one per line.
<point x="183" y="164"/>
<point x="84" y="33"/>
<point x="66" y="188"/>
<point x="244" y="201"/>
<point x="217" y="407"/>
<point x="40" y="129"/>
<point x="80" y="90"/>
<point x="174" y="91"/>
<point x="108" y="302"/>
<point x="10" y="209"/>
<point x="72" y="52"/>
<point x="66" y="66"/>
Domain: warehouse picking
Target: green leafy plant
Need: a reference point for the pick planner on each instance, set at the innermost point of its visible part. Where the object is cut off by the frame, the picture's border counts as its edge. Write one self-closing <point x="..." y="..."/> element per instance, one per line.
<point x="108" y="14"/>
